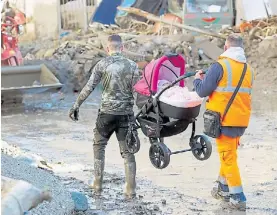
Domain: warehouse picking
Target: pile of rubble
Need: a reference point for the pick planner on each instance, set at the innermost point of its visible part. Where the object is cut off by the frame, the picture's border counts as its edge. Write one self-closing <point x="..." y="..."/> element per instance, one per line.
<point x="260" y="37"/>
<point x="255" y="29"/>
<point x="78" y="53"/>
<point x="82" y="52"/>
<point x="260" y="46"/>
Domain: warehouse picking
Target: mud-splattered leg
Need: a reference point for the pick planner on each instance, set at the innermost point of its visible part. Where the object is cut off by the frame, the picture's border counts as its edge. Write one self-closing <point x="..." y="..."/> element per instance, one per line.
<point x="99" y="145"/>
<point x="129" y="159"/>
<point x="130" y="171"/>
<point x="105" y="126"/>
<point x="130" y="179"/>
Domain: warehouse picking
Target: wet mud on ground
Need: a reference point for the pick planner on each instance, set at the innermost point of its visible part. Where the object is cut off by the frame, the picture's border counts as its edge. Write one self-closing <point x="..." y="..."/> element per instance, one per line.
<point x="182" y="188"/>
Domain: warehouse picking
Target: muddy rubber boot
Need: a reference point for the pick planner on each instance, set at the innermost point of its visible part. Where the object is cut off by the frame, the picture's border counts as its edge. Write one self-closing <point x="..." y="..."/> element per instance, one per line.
<point x="221" y="192"/>
<point x="96" y="185"/>
<point x="237" y="201"/>
<point x="130" y="179"/>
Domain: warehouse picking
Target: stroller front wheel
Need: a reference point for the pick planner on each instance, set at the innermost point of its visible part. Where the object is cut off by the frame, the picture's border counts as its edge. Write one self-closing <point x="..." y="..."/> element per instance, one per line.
<point x="201" y="147"/>
<point x="132" y="143"/>
<point x="159" y="155"/>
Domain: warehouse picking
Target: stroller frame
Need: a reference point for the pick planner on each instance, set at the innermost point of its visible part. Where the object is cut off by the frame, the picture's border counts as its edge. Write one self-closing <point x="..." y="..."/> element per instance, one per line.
<point x="159" y="153"/>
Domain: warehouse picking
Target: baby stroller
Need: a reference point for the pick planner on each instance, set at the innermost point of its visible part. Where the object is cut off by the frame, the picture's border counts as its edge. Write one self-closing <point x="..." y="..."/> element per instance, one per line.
<point x="158" y="119"/>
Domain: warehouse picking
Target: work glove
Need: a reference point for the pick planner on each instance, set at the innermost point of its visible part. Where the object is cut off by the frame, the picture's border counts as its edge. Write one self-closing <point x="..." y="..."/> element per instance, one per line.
<point x="74" y="113"/>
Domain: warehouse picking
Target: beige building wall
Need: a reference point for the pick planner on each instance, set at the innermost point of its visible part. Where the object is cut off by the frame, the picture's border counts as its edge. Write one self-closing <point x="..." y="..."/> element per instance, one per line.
<point x="43" y="20"/>
<point x="76" y="15"/>
<point x="44" y="17"/>
<point x="240" y="12"/>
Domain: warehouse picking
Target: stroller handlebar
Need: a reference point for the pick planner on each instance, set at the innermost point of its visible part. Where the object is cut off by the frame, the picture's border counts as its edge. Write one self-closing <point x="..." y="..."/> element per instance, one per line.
<point x="187" y="75"/>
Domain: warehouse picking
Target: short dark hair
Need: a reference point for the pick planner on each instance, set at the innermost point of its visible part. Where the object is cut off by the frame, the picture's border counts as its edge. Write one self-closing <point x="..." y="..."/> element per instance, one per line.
<point x="115" y="38"/>
<point x="235" y="40"/>
<point x="115" y="42"/>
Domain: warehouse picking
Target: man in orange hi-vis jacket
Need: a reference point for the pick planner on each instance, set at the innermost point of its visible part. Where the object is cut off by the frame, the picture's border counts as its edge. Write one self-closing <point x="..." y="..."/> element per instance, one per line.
<point x="219" y="84"/>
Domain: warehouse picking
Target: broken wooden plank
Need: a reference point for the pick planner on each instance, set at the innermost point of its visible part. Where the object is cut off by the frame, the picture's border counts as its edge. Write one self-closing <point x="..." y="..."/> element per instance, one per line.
<point x="154" y="18"/>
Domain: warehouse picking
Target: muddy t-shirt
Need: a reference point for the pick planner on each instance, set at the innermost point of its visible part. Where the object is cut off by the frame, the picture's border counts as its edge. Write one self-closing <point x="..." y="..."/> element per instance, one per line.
<point x="118" y="76"/>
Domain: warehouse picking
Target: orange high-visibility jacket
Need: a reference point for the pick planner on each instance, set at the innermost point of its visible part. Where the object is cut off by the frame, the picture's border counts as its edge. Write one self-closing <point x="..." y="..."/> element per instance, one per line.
<point x="240" y="110"/>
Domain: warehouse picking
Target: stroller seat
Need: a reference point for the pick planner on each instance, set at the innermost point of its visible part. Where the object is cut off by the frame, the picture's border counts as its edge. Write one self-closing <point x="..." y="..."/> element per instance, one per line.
<point x="178" y="103"/>
<point x="166" y="128"/>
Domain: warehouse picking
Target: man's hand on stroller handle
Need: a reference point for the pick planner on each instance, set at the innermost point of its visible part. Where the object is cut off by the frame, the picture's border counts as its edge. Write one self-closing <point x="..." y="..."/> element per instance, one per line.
<point x="199" y="74"/>
<point x="187" y="75"/>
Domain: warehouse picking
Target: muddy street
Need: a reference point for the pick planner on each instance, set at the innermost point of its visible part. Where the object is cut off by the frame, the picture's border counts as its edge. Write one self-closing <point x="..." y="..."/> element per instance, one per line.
<point x="179" y="53"/>
<point x="182" y="188"/>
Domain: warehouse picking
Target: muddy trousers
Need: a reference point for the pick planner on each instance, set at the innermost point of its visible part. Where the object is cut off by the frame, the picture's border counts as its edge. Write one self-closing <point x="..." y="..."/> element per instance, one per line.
<point x="106" y="125"/>
<point x="229" y="171"/>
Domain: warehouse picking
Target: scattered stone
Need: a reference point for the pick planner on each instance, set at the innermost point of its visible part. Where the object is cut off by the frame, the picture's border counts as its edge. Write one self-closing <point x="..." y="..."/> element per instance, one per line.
<point x="40" y="54"/>
<point x="49" y="53"/>
<point x="163" y="201"/>
<point x="156" y="208"/>
<point x="80" y="201"/>
<point x="29" y="57"/>
<point x="267" y="48"/>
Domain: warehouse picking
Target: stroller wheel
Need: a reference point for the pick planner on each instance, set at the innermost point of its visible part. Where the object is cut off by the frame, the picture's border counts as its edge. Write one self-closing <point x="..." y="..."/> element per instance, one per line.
<point x="132" y="143"/>
<point x="159" y="155"/>
<point x="201" y="147"/>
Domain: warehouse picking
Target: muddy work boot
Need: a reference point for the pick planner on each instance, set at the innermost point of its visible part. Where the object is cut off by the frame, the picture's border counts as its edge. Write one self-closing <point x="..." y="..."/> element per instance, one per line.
<point x="237" y="201"/>
<point x="221" y="192"/>
<point x="130" y="180"/>
<point x="96" y="185"/>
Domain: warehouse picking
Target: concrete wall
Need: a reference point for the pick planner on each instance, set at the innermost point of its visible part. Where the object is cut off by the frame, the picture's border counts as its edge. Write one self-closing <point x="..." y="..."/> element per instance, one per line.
<point x="43" y="19"/>
<point x="76" y="14"/>
<point x="240" y="12"/>
<point x="46" y="18"/>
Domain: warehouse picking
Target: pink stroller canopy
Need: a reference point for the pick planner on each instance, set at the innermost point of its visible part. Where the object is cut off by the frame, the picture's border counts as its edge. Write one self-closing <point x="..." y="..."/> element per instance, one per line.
<point x="167" y="68"/>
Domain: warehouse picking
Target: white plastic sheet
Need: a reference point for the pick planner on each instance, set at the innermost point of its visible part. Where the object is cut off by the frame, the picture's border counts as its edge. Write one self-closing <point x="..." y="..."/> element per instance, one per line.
<point x="19" y="196"/>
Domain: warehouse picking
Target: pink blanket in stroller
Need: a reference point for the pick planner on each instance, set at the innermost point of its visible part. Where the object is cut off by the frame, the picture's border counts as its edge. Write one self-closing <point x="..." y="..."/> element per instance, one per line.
<point x="180" y="97"/>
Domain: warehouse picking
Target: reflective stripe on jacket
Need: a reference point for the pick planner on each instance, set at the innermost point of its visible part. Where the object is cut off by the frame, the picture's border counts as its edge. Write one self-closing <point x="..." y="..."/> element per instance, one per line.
<point x="240" y="110"/>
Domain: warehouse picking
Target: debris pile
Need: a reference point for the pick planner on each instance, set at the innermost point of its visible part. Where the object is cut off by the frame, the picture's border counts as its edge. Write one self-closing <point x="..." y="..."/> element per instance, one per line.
<point x="143" y="42"/>
<point x="255" y="29"/>
<point x="82" y="52"/>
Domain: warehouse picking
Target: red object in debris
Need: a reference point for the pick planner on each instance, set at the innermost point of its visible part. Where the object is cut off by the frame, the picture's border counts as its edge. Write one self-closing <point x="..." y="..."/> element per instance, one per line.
<point x="190" y="16"/>
<point x="20" y="18"/>
<point x="169" y="17"/>
<point x="10" y="53"/>
<point x="208" y="19"/>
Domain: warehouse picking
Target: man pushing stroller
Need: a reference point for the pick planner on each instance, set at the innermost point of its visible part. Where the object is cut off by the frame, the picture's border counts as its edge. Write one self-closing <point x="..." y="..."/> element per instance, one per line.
<point x="117" y="74"/>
